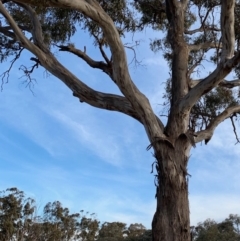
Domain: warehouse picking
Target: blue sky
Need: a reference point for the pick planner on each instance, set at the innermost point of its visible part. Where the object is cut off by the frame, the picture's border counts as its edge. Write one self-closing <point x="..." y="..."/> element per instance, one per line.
<point x="55" y="148"/>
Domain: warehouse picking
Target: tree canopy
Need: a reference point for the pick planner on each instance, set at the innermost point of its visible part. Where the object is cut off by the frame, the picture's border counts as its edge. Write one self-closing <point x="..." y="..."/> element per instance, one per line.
<point x="211" y="230"/>
<point x="202" y="34"/>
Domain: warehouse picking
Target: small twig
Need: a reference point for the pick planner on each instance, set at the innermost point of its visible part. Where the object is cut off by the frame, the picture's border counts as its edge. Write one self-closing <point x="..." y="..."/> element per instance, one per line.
<point x="27" y="73"/>
<point x="7" y="72"/>
<point x="132" y="48"/>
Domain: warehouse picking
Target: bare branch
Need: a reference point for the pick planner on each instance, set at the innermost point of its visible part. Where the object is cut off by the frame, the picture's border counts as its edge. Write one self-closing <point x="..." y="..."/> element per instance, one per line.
<point x="139" y="102"/>
<point x="28" y="80"/>
<point x="194" y="66"/>
<point x="234" y="128"/>
<point x="230" y="83"/>
<point x="206" y="45"/>
<point x="132" y="48"/>
<point x="227" y="28"/>
<point x="202" y="29"/>
<point x="92" y="63"/>
<point x="100" y="45"/>
<point x="82" y="91"/>
<point x="210" y="82"/>
<point x="208" y="133"/>
<point x="7" y="33"/>
<point x="224" y="83"/>
<point x="6" y="73"/>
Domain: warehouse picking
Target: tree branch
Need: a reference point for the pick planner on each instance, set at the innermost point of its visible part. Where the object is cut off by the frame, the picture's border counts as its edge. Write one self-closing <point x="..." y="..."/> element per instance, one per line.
<point x="208" y="132"/>
<point x="17" y="31"/>
<point x="201" y="29"/>
<point x="100" y="45"/>
<point x="206" y="45"/>
<point x="80" y="90"/>
<point x="224" y="83"/>
<point x="92" y="63"/>
<point x="234" y="128"/>
<point x="7" y="33"/>
<point x="230" y="83"/>
<point x="139" y="102"/>
<point x="6" y="73"/>
<point x="207" y="84"/>
<point x="197" y="63"/>
<point x="227" y="29"/>
<point x="36" y="28"/>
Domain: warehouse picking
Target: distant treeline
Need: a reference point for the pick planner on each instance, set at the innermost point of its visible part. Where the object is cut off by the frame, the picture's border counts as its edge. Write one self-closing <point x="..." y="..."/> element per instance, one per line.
<point x="19" y="222"/>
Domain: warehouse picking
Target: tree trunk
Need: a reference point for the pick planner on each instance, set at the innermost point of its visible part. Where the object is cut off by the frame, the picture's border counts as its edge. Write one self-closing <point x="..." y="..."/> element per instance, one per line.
<point x="171" y="221"/>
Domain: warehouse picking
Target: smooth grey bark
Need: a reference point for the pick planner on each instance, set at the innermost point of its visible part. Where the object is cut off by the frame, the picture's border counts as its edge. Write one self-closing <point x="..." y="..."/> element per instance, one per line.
<point x="171" y="144"/>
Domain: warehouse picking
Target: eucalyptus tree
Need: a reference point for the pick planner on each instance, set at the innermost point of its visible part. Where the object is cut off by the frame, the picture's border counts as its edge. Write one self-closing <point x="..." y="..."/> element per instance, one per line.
<point x="195" y="32"/>
<point x="211" y="230"/>
<point x="19" y="220"/>
<point x="16" y="214"/>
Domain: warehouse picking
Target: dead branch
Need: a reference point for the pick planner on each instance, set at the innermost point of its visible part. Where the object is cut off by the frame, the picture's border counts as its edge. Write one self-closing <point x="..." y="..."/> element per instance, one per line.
<point x="206" y="45"/>
<point x="106" y="68"/>
<point x="234" y="128"/>
<point x="6" y="73"/>
<point x="208" y="132"/>
<point x="224" y="83"/>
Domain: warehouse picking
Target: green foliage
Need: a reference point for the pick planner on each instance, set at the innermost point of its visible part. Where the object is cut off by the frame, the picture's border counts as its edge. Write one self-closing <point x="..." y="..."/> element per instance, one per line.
<point x="16" y="213"/>
<point x="19" y="221"/>
<point x="112" y="231"/>
<point x="211" y="105"/>
<point x="59" y="25"/>
<point x="209" y="230"/>
<point x="152" y="13"/>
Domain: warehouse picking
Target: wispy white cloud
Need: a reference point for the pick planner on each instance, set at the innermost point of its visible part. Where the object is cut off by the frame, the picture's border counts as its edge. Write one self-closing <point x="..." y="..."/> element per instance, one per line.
<point x="214" y="206"/>
<point x="92" y="138"/>
<point x="157" y="61"/>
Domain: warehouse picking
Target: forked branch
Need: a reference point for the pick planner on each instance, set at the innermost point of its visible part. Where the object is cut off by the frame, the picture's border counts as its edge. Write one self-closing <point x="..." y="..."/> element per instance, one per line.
<point x="138" y="102"/>
<point x="208" y="132"/>
<point x="210" y="82"/>
<point x="106" y="68"/>
<point x="80" y="90"/>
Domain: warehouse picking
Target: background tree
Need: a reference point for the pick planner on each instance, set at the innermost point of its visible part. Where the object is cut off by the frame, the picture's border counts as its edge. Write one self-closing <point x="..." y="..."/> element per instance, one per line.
<point x="19" y="222"/>
<point x="16" y="214"/>
<point x="211" y="230"/>
<point x="196" y="32"/>
<point x="135" y="230"/>
<point x="112" y="231"/>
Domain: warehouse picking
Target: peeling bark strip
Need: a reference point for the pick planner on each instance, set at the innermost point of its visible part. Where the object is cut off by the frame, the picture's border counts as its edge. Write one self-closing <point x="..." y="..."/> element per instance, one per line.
<point x="227" y="28"/>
